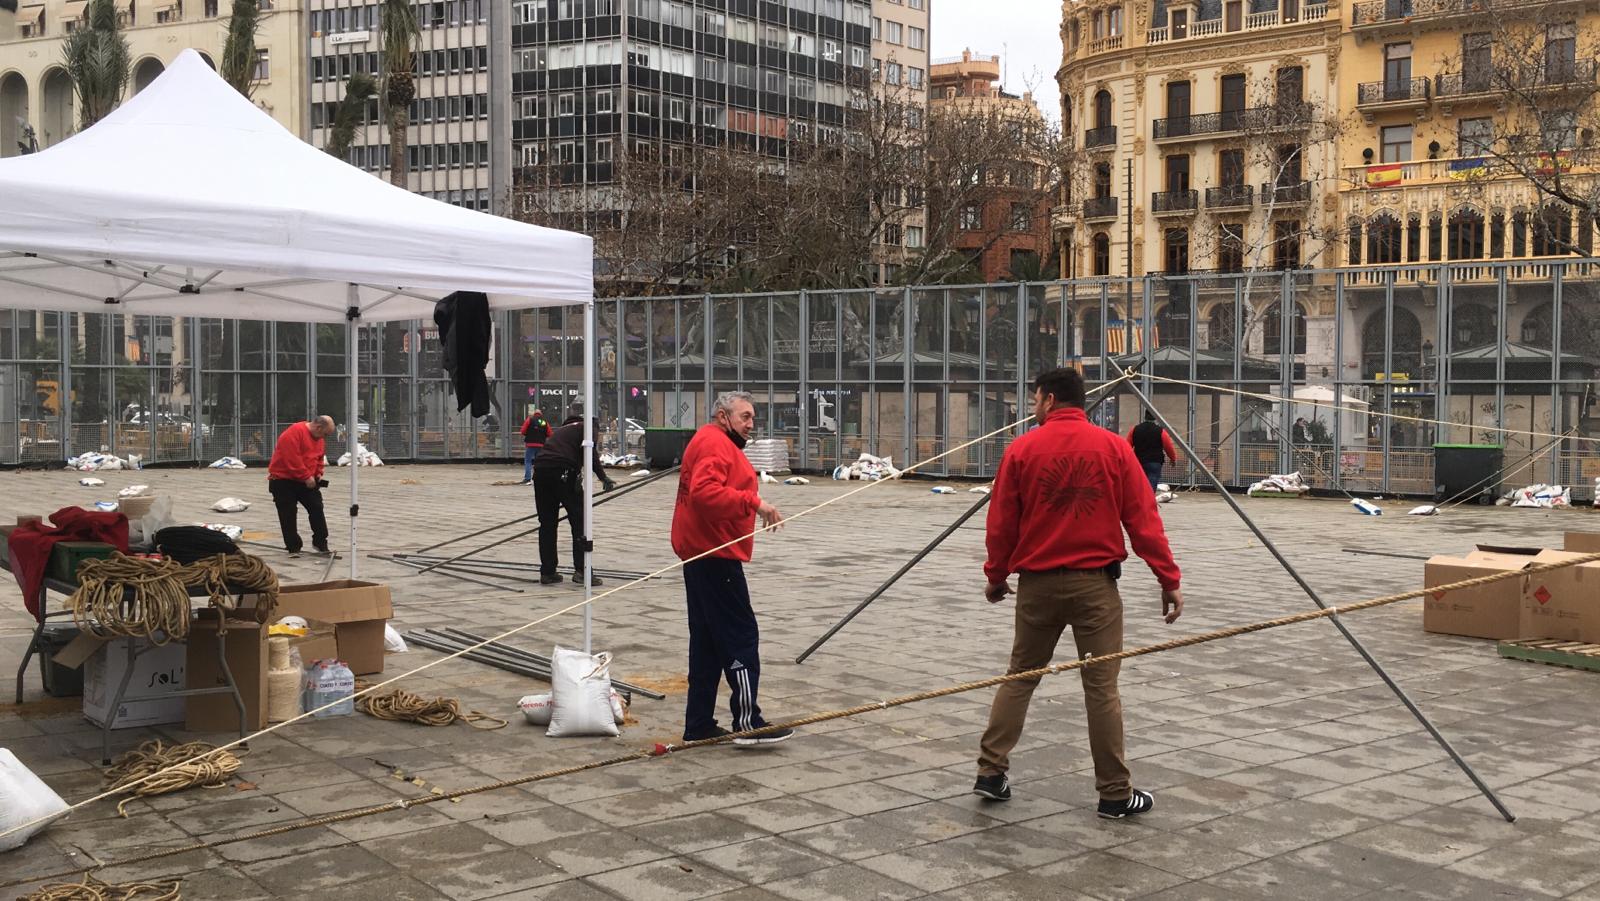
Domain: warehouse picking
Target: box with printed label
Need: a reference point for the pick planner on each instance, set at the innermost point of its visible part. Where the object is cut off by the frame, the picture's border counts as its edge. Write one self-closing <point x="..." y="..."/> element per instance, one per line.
<point x="1485" y="611"/>
<point x="1562" y="604"/>
<point x="157" y="670"/>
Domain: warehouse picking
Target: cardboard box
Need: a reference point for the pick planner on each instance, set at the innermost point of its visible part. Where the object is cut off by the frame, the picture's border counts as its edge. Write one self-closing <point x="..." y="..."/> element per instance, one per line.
<point x="358" y="611"/>
<point x="319" y="643"/>
<point x="1562" y="604"/>
<point x="246" y="647"/>
<point x="1487" y="611"/>
<point x="1582" y="542"/>
<point x="156" y="670"/>
<point x="136" y="507"/>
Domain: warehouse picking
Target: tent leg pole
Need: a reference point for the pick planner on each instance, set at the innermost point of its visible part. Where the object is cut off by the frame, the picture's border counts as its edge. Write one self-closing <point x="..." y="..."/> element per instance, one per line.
<point x="352" y="430"/>
<point x="1349" y="636"/>
<point x="590" y="417"/>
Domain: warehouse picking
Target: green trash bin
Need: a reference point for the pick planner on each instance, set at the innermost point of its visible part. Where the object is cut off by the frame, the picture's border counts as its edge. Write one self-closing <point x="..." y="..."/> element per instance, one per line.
<point x="664" y="447"/>
<point x="1462" y="472"/>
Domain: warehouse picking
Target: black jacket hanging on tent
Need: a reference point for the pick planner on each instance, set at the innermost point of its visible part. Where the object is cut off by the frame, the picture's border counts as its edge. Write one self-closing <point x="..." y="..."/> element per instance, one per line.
<point x="465" y="333"/>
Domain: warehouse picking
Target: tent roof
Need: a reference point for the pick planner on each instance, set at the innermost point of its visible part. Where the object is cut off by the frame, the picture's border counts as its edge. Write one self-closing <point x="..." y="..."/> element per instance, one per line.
<point x="189" y="200"/>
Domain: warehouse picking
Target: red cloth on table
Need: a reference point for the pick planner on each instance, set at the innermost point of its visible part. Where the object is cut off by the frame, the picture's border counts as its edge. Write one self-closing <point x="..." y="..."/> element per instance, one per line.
<point x="31" y="544"/>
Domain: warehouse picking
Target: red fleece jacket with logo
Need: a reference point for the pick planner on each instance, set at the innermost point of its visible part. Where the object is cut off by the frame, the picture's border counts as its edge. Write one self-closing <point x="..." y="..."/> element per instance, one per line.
<point x="717" y="498"/>
<point x="1064" y="493"/>
<point x="297" y="456"/>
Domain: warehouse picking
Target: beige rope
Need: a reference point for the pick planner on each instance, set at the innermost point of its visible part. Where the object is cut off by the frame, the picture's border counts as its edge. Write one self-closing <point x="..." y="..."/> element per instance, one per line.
<point x="414" y="708"/>
<point x="92" y="889"/>
<point x="1026" y="675"/>
<point x="157" y="608"/>
<point x="154" y="769"/>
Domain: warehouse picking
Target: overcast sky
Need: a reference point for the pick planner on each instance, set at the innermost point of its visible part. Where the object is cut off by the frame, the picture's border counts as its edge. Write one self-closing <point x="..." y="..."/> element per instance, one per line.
<point x="1025" y="34"/>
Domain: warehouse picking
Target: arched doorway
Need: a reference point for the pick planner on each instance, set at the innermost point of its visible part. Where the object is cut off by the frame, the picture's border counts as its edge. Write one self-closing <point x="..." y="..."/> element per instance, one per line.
<point x="206" y="58"/>
<point x="1172" y="319"/>
<point x="1272" y="329"/>
<point x="1406" y="356"/>
<point x="56" y="122"/>
<point x="13" y="113"/>
<point x="1471" y="325"/>
<point x="1222" y="328"/>
<point x="145" y="72"/>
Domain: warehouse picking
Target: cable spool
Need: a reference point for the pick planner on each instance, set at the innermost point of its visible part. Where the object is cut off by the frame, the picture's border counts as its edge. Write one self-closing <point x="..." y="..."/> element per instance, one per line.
<point x="278" y="654"/>
<point x="283" y="682"/>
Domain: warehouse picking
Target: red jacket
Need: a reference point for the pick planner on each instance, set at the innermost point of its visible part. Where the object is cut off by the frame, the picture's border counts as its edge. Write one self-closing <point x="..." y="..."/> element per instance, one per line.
<point x="297" y="456"/>
<point x="1064" y="493"/>
<point x="717" y="498"/>
<point x="32" y="544"/>
<point x="535" y="429"/>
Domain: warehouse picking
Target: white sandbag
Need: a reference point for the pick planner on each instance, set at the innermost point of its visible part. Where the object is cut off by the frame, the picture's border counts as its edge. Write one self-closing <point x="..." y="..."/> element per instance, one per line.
<point x="580" y="690"/>
<point x="1424" y="510"/>
<point x="942" y="489"/>
<point x="797" y="480"/>
<point x="134" y="491"/>
<point x="231" y="505"/>
<point x="639" y="472"/>
<point x="980" y="489"/>
<point x="364" y="457"/>
<point x="1166" y="497"/>
<point x="106" y="506"/>
<point x="91" y="482"/>
<point x="228" y="463"/>
<point x="234" y="533"/>
<point x="392" y="642"/>
<point x="536" y="708"/>
<point x="768" y="480"/>
<point x="1542" y="496"/>
<point x="23" y="798"/>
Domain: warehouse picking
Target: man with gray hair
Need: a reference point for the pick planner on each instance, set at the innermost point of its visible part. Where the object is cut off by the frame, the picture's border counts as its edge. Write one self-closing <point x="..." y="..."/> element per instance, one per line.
<point x="712" y="527"/>
<point x="294" y="478"/>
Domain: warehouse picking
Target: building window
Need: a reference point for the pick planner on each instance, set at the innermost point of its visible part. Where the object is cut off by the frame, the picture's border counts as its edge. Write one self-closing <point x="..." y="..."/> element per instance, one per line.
<point x="678" y="109"/>
<point x="1560" y="53"/>
<point x="1466" y="235"/>
<point x="263" y="70"/>
<point x="1558" y="130"/>
<point x="1291" y="86"/>
<point x="1230" y="248"/>
<point x="832" y="51"/>
<point x="1383" y="240"/>
<point x="1272" y="329"/>
<point x="566" y="105"/>
<point x="1231" y="168"/>
<point x="1101" y="251"/>
<point x="891" y="234"/>
<point x="971" y="217"/>
<point x="913" y="236"/>
<point x="1102" y="180"/>
<point x="891" y="73"/>
<point x="1102" y="109"/>
<point x="602" y="150"/>
<point x="1397" y="71"/>
<point x="1175" y="251"/>
<point x="858" y="57"/>
<point x="603" y="101"/>
<point x="914" y="77"/>
<point x="1396" y="143"/>
<point x="1021" y="217"/>
<point x="1475" y="137"/>
<point x="533" y="11"/>
<point x="917" y="39"/>
<point x="210" y="10"/>
<point x="1286" y="244"/>
<point x="877" y="28"/>
<point x="1552" y="231"/>
<point x="896" y="33"/>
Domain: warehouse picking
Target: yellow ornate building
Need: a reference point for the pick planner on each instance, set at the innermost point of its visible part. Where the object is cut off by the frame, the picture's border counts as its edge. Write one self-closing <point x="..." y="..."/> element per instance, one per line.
<point x="35" y="89"/>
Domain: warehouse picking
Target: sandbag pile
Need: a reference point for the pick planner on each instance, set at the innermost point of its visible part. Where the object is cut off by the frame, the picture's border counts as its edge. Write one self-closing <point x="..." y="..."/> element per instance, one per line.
<point x="867" y="468"/>
<point x="1286" y="485"/>
<point x="768" y="454"/>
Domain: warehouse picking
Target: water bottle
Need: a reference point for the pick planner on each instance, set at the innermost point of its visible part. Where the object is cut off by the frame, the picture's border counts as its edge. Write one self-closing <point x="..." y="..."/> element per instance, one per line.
<point x="328" y="681"/>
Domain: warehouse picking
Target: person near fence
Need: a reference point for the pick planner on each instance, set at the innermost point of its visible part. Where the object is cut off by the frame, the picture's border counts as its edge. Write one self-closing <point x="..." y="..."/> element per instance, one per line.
<point x="535" y="430"/>
<point x="1150" y="444"/>
<point x="712" y="524"/>
<point x="294" y="479"/>
<point x="1063" y="495"/>
<point x="557" y="486"/>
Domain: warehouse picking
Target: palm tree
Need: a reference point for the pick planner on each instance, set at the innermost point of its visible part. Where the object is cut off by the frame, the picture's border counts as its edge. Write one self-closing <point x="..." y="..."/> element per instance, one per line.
<point x="352" y="112"/>
<point x="398" y="22"/>
<point x="239" y="53"/>
<point x="98" y="62"/>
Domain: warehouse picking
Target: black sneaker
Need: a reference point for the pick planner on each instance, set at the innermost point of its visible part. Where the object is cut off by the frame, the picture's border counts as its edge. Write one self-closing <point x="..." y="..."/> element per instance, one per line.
<point x="294" y="554"/>
<point x="995" y="788"/>
<point x="766" y="738"/>
<point x="322" y="549"/>
<point x="716" y="732"/>
<point x="1139" y="802"/>
<point x="593" y="580"/>
<point x="549" y="578"/>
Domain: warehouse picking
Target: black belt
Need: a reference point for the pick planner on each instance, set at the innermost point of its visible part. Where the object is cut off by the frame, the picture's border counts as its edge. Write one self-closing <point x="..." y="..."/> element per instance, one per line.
<point x="1114" y="570"/>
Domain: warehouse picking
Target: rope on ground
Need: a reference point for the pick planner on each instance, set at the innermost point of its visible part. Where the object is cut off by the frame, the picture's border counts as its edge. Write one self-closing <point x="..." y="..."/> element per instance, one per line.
<point x="92" y="889"/>
<point x="1367" y="411"/>
<point x="662" y="750"/>
<point x="414" y="708"/>
<point x="155" y="769"/>
<point x="149" y="599"/>
<point x="516" y="630"/>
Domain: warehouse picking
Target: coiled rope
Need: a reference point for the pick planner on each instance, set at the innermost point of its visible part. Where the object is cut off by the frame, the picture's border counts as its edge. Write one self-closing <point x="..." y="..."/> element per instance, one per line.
<point x="149" y="599"/>
<point x="156" y="769"/>
<point x="92" y="889"/>
<point x="661" y="750"/>
<point x="414" y="708"/>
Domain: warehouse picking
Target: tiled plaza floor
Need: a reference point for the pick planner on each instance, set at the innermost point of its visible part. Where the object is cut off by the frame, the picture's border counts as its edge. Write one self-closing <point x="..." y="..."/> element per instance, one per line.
<point x="1282" y="767"/>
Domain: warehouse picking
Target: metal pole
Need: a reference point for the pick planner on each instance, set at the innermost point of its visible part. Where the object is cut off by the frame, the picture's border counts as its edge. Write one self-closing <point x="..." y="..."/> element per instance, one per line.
<point x="589" y="414"/>
<point x="1105" y="392"/>
<point x="1337" y="623"/>
<point x="352" y="321"/>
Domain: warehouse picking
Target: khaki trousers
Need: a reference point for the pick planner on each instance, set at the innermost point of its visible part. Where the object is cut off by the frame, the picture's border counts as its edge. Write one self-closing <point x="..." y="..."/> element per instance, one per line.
<point x="1047" y="603"/>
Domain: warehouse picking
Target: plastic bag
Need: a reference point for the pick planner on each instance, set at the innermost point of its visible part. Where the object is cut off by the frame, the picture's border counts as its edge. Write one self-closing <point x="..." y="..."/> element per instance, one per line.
<point x="231" y="505"/>
<point x="91" y="482"/>
<point x="392" y="642"/>
<point x="228" y="463"/>
<point x="619" y="707"/>
<point x="143" y="530"/>
<point x="580" y="691"/>
<point x="134" y="491"/>
<point x="942" y="489"/>
<point x="768" y="480"/>
<point x="23" y="798"/>
<point x="536" y="708"/>
<point x="364" y="457"/>
<point x="797" y="480"/>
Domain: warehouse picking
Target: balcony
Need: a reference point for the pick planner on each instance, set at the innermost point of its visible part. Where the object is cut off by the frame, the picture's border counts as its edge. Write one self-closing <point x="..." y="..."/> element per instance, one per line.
<point x="1464" y="84"/>
<point x="1379" y="16"/>
<point x="1174" y="203"/>
<point x="1229" y="197"/>
<point x="1311" y="12"/>
<point x="1408" y="93"/>
<point x="1105" y="44"/>
<point x="1286" y="193"/>
<point x="1104" y="136"/>
<point x="1559" y="75"/>
<point x="1261" y="118"/>
<point x="1100" y="208"/>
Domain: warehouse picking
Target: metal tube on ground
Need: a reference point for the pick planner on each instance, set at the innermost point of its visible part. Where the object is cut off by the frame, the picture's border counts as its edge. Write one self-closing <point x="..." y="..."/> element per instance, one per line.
<point x="1356" y="550"/>
<point x="521" y="663"/>
<point x="1104" y="391"/>
<point x="1317" y="599"/>
<point x="450" y="573"/>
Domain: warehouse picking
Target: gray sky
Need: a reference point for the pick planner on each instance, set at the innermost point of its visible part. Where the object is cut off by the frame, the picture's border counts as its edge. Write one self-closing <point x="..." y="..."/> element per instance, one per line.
<point x="1025" y="34"/>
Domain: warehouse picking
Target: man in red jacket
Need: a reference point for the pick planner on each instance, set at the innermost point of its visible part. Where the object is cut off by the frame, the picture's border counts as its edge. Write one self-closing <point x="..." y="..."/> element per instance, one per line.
<point x="712" y="523"/>
<point x="294" y="478"/>
<point x="1064" y="493"/>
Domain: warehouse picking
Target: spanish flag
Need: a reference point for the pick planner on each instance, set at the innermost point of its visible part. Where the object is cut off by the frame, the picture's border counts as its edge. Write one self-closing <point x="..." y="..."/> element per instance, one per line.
<point x="1384" y="176"/>
<point x="1551" y="163"/>
<point x="1463" y="170"/>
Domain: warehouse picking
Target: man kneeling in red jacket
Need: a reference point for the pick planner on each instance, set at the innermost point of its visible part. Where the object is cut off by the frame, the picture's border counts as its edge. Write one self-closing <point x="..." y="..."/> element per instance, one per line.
<point x="718" y="503"/>
<point x="293" y="477"/>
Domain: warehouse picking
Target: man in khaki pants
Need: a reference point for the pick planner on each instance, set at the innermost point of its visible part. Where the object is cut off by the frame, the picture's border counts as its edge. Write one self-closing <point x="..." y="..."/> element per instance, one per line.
<point x="1064" y="494"/>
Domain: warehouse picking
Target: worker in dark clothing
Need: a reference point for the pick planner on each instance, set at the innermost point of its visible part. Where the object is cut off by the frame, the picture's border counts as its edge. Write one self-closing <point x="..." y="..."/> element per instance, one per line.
<point x="1150" y="443"/>
<point x="557" y="485"/>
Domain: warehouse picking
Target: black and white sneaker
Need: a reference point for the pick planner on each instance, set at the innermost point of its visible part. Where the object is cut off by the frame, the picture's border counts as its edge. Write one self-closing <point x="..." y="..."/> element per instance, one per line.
<point x="765" y="738"/>
<point x="995" y="788"/>
<point x="1137" y="803"/>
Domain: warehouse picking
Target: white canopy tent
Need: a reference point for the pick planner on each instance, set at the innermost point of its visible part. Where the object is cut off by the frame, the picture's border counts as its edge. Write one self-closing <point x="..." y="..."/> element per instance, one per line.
<point x="188" y="200"/>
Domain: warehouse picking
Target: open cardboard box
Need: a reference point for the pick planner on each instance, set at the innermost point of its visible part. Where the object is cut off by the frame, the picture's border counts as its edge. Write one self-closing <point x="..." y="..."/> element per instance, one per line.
<point x="356" y="610"/>
<point x="1486" y="611"/>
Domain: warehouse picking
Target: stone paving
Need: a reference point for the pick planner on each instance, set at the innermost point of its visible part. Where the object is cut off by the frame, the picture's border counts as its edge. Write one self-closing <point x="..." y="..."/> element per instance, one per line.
<point x="1280" y="764"/>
